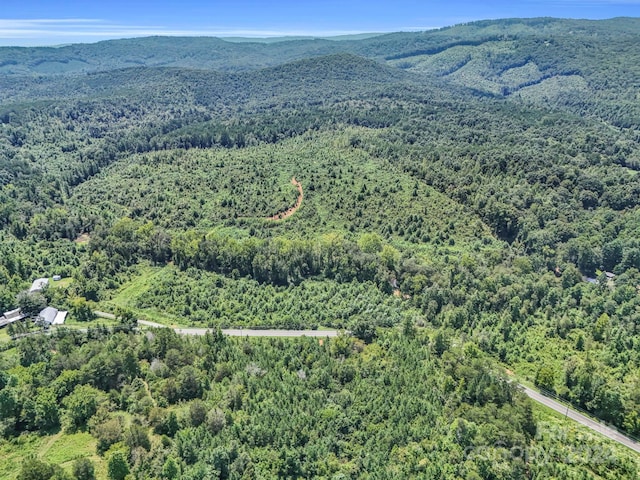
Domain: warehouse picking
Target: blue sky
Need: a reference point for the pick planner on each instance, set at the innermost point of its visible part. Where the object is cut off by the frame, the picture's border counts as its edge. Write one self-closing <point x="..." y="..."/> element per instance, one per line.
<point x="51" y="22"/>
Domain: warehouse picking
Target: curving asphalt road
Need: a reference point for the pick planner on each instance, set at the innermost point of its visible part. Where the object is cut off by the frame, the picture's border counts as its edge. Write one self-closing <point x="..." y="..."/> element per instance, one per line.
<point x="534" y="395"/>
<point x="582" y="419"/>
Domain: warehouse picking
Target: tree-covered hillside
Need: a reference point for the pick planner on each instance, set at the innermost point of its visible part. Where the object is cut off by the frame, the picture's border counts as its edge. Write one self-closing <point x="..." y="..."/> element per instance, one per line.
<point x="162" y="406"/>
<point x="459" y="200"/>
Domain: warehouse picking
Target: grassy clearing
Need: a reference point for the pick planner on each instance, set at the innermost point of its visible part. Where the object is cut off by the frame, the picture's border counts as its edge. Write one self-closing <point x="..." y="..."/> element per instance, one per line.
<point x="126" y="297"/>
<point x="60" y="284"/>
<point x="59" y="449"/>
<point x="10" y="355"/>
<point x="4" y="336"/>
<point x="14" y="450"/>
<point x="64" y="448"/>
<point x="94" y="323"/>
<point x="123" y="298"/>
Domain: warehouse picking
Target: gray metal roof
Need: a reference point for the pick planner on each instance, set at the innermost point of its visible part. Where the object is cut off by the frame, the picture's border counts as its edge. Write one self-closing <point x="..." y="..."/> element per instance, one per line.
<point x="48" y="315"/>
<point x="11" y="316"/>
<point x="38" y="284"/>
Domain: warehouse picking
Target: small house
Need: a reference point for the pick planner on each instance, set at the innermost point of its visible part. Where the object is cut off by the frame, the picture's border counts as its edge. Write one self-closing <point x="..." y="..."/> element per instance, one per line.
<point x="51" y="316"/>
<point x="47" y="316"/>
<point x="57" y="278"/>
<point x="38" y="285"/>
<point x="10" y="317"/>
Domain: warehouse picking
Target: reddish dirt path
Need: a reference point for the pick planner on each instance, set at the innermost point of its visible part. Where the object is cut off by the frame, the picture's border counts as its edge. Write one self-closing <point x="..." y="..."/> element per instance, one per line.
<point x="82" y="238"/>
<point x="294" y="209"/>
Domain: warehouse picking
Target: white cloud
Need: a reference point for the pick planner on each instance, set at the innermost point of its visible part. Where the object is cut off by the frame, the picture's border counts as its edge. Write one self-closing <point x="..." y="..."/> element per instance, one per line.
<point x="11" y="22"/>
<point x="23" y="28"/>
<point x="51" y="31"/>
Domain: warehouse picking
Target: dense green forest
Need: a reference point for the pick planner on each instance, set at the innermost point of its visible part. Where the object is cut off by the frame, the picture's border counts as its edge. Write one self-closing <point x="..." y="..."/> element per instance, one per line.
<point x="467" y="202"/>
<point x="164" y="406"/>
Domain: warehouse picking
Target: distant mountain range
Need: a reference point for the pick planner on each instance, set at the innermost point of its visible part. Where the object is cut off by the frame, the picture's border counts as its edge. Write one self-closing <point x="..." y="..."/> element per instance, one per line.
<point x="586" y="66"/>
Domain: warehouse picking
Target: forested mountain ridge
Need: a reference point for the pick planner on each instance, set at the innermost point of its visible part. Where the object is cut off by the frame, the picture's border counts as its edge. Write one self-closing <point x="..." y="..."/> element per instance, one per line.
<point x="584" y="66"/>
<point x="470" y="198"/>
<point x="218" y="54"/>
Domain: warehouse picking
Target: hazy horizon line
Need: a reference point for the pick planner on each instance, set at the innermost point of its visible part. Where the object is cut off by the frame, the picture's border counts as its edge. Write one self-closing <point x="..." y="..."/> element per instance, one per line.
<point x="55" y="32"/>
<point x="47" y="32"/>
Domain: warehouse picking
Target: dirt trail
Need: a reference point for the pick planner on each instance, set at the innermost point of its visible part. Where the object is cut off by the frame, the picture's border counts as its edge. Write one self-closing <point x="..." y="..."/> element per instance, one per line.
<point x="83" y="238"/>
<point x="294" y="209"/>
<point x="47" y="446"/>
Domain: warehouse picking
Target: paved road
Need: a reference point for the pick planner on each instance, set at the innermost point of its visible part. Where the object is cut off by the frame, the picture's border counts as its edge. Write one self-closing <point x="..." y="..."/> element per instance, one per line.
<point x="534" y="395"/>
<point x="233" y="332"/>
<point x="244" y="332"/>
<point x="150" y="324"/>
<point x="582" y="419"/>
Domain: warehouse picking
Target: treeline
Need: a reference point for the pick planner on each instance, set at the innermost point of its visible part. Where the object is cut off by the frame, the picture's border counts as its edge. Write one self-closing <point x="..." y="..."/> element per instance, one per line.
<point x="282" y="261"/>
<point x="278" y="124"/>
<point x="277" y="260"/>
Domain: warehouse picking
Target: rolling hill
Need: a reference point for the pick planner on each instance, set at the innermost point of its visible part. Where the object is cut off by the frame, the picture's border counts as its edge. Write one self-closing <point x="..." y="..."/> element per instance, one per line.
<point x="468" y="200"/>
